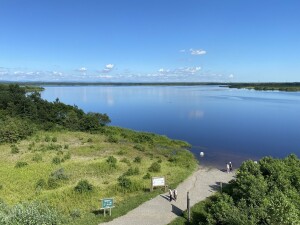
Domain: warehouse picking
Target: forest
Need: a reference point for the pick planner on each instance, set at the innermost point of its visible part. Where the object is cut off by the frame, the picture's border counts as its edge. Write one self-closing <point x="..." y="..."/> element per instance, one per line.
<point x="22" y="112"/>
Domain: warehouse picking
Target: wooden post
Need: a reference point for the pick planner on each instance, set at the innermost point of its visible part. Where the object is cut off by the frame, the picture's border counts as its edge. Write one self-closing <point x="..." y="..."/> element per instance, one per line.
<point x="221" y="186"/>
<point x="188" y="207"/>
<point x="104" y="212"/>
<point x="110" y="211"/>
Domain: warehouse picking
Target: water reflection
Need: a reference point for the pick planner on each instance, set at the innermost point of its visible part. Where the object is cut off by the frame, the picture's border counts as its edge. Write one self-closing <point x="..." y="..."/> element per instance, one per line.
<point x="196" y="114"/>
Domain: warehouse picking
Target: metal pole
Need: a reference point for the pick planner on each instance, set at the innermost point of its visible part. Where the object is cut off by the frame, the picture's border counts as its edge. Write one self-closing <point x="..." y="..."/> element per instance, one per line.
<point x="221" y="186"/>
<point x="188" y="207"/>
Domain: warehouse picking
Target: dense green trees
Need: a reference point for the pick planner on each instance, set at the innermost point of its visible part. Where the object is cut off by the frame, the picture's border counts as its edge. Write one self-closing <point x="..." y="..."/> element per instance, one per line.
<point x="21" y="113"/>
<point x="267" y="192"/>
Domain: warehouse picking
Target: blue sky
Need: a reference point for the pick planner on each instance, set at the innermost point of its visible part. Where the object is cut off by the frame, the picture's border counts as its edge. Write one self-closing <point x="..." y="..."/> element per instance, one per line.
<point x="157" y="40"/>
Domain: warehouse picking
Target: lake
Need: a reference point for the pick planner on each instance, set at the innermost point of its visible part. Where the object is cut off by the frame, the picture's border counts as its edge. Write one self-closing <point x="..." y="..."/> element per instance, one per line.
<point x="226" y="124"/>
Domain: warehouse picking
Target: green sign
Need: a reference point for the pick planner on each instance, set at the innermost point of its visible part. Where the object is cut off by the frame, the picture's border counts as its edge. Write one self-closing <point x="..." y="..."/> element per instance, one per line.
<point x="107" y="203"/>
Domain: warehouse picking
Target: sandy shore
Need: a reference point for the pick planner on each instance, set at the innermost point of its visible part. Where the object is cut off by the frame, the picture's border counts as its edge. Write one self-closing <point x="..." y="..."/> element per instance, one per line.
<point x="159" y="210"/>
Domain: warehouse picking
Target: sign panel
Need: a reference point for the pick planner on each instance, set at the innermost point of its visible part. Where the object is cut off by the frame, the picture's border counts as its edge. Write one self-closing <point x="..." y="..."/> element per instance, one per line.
<point x="107" y="203"/>
<point x="158" y="181"/>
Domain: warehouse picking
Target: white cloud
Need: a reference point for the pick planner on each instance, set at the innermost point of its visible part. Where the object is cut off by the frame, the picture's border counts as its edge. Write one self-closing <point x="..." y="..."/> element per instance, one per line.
<point x="231" y="76"/>
<point x="182" y="50"/>
<point x="197" y="51"/>
<point x="108" y="68"/>
<point x="82" y="69"/>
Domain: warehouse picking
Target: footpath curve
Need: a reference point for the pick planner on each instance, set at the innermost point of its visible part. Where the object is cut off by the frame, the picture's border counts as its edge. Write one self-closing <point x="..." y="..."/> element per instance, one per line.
<point x="160" y="211"/>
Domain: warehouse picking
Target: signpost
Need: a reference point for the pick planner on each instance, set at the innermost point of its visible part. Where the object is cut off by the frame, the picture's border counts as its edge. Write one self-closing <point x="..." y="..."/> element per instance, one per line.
<point x="107" y="203"/>
<point x="158" y="182"/>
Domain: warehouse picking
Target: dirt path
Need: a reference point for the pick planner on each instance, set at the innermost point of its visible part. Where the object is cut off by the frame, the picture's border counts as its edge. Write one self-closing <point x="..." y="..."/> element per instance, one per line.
<point x="160" y="211"/>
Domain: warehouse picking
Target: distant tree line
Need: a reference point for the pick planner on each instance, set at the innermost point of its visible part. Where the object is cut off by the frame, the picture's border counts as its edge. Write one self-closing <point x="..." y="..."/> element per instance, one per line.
<point x="21" y="113"/>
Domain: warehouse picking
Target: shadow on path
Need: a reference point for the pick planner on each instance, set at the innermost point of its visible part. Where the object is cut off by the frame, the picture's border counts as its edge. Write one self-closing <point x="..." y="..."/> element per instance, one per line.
<point x="176" y="210"/>
<point x="167" y="197"/>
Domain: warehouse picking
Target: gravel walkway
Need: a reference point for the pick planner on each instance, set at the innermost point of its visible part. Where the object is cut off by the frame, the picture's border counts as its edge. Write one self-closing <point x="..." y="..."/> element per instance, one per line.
<point x="160" y="211"/>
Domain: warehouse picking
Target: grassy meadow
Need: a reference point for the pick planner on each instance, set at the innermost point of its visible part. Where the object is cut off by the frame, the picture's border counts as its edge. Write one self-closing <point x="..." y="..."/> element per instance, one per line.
<point x="113" y="162"/>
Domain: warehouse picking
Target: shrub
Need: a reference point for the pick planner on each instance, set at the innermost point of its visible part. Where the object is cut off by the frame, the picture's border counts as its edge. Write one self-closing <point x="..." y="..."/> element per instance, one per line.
<point x="125" y="160"/>
<point x="83" y="186"/>
<point x="67" y="156"/>
<point x="59" y="174"/>
<point x="89" y="140"/>
<point x="52" y="183"/>
<point x="112" y="161"/>
<point x="14" y="129"/>
<point x="31" y="145"/>
<point x="54" y="147"/>
<point x="66" y="146"/>
<point x="21" y="164"/>
<point x="124" y="182"/>
<point x="30" y="213"/>
<point x="112" y="139"/>
<point x="37" y="158"/>
<point x="137" y="159"/>
<point x="155" y="167"/>
<point x="47" y="138"/>
<point x="147" y="176"/>
<point x="75" y="213"/>
<point x="54" y="139"/>
<point x="56" y="160"/>
<point x="131" y="171"/>
<point x="1" y="187"/>
<point x="139" y="148"/>
<point x="40" y="184"/>
<point x="14" y="149"/>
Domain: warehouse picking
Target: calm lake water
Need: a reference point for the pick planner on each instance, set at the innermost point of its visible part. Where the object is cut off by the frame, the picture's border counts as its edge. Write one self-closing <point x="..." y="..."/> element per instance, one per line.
<point x="226" y="124"/>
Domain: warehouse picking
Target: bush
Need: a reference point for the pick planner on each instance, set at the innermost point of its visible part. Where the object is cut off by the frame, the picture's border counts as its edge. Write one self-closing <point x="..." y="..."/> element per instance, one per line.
<point x="90" y="140"/>
<point x="14" y="129"/>
<point x="54" y="139"/>
<point x="66" y="146"/>
<point x="112" y="139"/>
<point x="21" y="164"/>
<point x="83" y="186"/>
<point x="31" y="145"/>
<point x="124" y="182"/>
<point x="75" y="213"/>
<point x="125" y="160"/>
<point x="14" y="149"/>
<point x="40" y="184"/>
<point x="67" y="156"/>
<point x="137" y="159"/>
<point x="131" y="171"/>
<point x="52" y="183"/>
<point x="59" y="174"/>
<point x="1" y="186"/>
<point x="37" y="158"/>
<point x="56" y="160"/>
<point x="155" y="167"/>
<point x="147" y="176"/>
<point x="33" y="213"/>
<point x="139" y="148"/>
<point x="112" y="161"/>
<point x="47" y="138"/>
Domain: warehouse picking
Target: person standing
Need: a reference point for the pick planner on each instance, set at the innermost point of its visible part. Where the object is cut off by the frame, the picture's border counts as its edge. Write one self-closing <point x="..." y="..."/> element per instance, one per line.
<point x="227" y="168"/>
<point x="230" y="166"/>
<point x="171" y="194"/>
<point x="175" y="194"/>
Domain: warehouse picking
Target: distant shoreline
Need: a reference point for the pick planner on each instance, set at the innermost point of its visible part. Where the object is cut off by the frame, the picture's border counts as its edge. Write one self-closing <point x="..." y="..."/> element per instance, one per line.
<point x="267" y="86"/>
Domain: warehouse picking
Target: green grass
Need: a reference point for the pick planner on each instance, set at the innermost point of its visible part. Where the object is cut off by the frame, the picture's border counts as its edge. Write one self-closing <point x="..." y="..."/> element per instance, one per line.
<point x="85" y="158"/>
